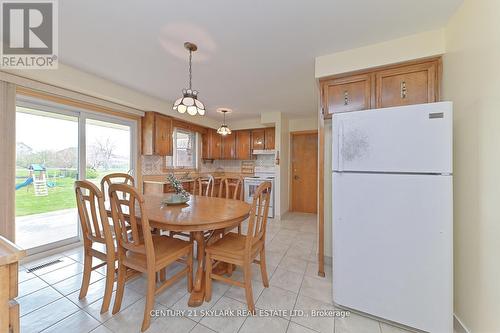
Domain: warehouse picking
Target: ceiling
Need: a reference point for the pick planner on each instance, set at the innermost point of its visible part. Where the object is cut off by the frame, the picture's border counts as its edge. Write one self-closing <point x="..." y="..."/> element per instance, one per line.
<point x="254" y="55"/>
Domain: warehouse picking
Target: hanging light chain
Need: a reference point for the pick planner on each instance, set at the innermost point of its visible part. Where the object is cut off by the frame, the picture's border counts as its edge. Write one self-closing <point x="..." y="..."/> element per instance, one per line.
<point x="190" y="68"/>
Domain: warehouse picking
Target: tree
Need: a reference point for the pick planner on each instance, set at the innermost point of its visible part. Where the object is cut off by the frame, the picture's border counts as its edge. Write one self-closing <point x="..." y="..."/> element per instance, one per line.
<point x="101" y="153"/>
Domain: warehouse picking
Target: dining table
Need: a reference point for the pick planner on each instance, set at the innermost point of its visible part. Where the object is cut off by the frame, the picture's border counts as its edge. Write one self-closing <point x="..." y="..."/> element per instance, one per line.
<point x="203" y="217"/>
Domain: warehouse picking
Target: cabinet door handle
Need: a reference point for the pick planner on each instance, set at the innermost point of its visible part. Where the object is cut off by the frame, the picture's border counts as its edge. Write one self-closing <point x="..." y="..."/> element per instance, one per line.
<point x="404" y="90"/>
<point x="346" y="97"/>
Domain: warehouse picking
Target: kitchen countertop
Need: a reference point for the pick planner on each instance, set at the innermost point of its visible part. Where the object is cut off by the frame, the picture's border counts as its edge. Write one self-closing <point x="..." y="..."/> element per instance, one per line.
<point x="161" y="179"/>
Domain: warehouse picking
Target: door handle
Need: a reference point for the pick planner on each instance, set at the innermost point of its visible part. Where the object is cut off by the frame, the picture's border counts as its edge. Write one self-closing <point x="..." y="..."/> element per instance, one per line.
<point x="296" y="177"/>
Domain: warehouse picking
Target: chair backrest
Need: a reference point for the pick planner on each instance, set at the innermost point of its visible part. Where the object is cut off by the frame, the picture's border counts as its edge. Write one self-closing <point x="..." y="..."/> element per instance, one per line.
<point x="92" y="213"/>
<point x="231" y="188"/>
<point x="115" y="178"/>
<point x="127" y="210"/>
<point x="201" y="182"/>
<point x="258" y="215"/>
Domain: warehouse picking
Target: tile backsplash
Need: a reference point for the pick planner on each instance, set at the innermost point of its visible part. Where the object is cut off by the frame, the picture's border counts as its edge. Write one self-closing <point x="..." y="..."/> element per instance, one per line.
<point x="154" y="165"/>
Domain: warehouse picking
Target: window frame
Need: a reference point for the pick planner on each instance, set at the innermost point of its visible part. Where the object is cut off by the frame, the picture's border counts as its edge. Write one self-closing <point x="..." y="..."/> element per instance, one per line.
<point x="194" y="148"/>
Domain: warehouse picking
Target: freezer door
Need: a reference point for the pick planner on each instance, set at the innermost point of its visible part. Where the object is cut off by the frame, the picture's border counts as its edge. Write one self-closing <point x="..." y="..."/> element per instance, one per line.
<point x="409" y="139"/>
<point x="392" y="240"/>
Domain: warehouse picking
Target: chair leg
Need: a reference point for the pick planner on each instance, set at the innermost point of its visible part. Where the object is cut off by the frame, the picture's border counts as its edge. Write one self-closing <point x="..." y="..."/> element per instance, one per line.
<point x="247" y="271"/>
<point x="190" y="272"/>
<point x="120" y="286"/>
<point x="110" y="279"/>
<point x="239" y="229"/>
<point x="87" y="269"/>
<point x="263" y="268"/>
<point x="163" y="274"/>
<point x="208" y="278"/>
<point x="150" y="298"/>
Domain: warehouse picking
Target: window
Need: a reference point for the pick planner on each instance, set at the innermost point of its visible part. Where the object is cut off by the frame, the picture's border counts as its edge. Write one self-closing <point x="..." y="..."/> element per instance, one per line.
<point x="184" y="149"/>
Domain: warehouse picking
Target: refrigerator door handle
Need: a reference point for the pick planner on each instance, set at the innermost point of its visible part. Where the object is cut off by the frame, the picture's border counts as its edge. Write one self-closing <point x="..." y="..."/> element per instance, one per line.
<point x="340" y="146"/>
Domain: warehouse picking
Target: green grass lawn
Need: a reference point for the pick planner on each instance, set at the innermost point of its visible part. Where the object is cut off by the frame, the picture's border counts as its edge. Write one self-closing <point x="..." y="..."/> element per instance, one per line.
<point x="61" y="196"/>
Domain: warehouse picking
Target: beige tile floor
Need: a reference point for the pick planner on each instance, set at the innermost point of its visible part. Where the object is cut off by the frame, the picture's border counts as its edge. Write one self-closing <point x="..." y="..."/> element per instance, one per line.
<point x="49" y="298"/>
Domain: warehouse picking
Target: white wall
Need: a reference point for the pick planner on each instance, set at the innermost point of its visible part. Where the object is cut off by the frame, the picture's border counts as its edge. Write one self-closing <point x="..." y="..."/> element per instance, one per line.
<point x="421" y="45"/>
<point x="73" y="79"/>
<point x="303" y="124"/>
<point x="472" y="82"/>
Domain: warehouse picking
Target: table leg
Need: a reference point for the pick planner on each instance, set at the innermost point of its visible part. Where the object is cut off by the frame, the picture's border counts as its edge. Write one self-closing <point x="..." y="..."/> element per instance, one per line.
<point x="198" y="294"/>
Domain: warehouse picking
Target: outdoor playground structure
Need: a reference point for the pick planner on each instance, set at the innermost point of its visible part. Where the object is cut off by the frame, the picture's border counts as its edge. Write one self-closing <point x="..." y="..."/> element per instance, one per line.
<point x="38" y="178"/>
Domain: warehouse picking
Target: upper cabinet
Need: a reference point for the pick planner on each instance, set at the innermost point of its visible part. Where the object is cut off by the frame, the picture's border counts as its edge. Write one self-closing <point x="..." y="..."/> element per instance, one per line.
<point x="396" y="85"/>
<point x="157" y="134"/>
<point x="407" y="85"/>
<point x="269" y="134"/>
<point x="211" y="145"/>
<point x="345" y="94"/>
<point x="243" y="145"/>
<point x="258" y="139"/>
<point x="229" y="146"/>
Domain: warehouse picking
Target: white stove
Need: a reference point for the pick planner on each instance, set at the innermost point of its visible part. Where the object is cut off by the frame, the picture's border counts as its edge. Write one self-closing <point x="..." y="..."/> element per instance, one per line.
<point x="252" y="182"/>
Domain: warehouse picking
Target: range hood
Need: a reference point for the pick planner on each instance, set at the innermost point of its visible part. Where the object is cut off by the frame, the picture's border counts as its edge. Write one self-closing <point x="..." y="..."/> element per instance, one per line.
<point x="264" y="152"/>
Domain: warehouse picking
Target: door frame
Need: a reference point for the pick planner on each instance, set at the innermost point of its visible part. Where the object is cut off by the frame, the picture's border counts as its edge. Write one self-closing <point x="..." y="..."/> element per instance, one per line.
<point x="290" y="170"/>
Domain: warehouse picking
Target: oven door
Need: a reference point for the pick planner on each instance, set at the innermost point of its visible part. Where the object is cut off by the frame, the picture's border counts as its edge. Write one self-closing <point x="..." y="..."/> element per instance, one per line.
<point x="250" y="188"/>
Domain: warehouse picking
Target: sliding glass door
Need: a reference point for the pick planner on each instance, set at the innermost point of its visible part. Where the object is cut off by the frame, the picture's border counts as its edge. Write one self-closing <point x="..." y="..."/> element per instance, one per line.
<point x="55" y="146"/>
<point x="46" y="169"/>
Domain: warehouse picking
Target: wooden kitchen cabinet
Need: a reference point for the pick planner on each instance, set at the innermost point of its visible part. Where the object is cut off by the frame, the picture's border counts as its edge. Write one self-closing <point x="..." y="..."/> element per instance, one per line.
<point x="258" y="139"/>
<point x="346" y="94"/>
<point x="157" y="134"/>
<point x="229" y="147"/>
<point x="243" y="145"/>
<point x="211" y="145"/>
<point x="407" y="85"/>
<point x="269" y="134"/>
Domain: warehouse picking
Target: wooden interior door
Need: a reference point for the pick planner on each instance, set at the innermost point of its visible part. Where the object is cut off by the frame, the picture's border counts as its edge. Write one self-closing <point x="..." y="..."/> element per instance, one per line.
<point x="304" y="172"/>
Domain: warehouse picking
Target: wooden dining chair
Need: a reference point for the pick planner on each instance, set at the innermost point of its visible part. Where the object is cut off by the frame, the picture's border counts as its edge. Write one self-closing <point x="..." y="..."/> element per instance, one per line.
<point x="204" y="186"/>
<point x="140" y="250"/>
<point x="115" y="178"/>
<point x="232" y="188"/>
<point x="242" y="250"/>
<point x="97" y="237"/>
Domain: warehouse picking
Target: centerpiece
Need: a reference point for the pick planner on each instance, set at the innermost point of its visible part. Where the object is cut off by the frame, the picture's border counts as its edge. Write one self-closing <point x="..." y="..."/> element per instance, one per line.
<point x="181" y="196"/>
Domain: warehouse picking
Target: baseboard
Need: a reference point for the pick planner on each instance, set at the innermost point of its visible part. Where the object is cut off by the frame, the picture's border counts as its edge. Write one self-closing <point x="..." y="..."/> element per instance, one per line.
<point x="458" y="325"/>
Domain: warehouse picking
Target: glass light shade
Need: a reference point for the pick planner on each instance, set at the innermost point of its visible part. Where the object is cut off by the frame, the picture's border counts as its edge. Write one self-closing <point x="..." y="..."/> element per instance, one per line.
<point x="192" y="110"/>
<point x="189" y="103"/>
<point x="223" y="130"/>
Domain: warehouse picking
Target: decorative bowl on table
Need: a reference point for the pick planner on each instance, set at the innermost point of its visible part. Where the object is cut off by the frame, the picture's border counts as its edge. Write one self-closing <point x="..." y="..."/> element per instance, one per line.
<point x="175" y="199"/>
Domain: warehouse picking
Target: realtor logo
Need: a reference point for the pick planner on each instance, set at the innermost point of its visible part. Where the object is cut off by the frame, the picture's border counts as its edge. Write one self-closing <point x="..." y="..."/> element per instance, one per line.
<point x="29" y="34"/>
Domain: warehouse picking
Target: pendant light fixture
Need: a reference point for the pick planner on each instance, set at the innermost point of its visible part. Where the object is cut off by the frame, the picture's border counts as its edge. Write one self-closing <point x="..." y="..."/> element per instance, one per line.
<point x="223" y="129"/>
<point x="189" y="101"/>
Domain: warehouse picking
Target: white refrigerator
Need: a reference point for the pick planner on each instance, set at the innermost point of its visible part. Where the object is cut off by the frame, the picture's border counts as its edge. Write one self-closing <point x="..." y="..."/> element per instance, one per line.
<point x="393" y="214"/>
